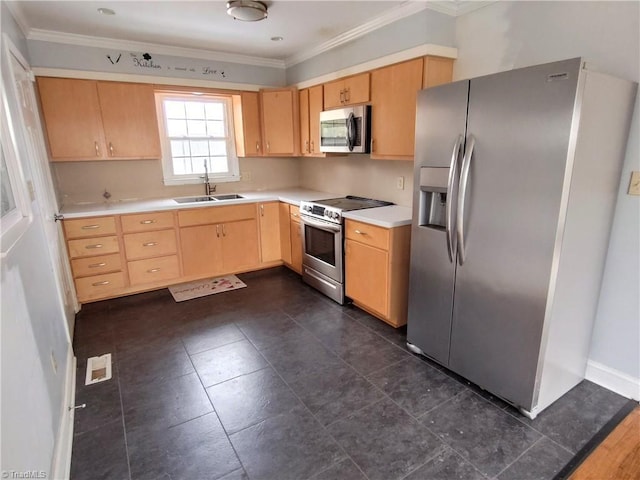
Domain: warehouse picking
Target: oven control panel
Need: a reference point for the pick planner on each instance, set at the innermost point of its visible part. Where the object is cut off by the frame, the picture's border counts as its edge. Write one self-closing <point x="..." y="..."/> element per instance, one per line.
<point x="320" y="211"/>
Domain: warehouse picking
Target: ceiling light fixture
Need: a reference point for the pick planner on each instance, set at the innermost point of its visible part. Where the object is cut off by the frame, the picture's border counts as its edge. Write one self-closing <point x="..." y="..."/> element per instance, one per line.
<point x="247" y="10"/>
<point x="106" y="11"/>
<point x="277" y="39"/>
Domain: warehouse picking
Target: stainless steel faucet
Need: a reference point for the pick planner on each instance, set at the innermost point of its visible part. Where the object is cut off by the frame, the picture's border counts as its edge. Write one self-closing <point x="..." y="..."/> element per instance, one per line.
<point x="208" y="188"/>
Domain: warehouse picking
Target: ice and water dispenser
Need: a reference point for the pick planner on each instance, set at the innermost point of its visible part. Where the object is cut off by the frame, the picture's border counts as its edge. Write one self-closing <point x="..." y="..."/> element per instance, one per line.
<point x="433" y="197"/>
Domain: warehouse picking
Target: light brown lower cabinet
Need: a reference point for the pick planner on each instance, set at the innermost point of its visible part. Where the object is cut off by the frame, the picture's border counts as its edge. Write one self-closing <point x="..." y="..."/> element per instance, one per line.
<point x="377" y="269"/>
<point x="291" y="236"/>
<point x="270" y="243"/>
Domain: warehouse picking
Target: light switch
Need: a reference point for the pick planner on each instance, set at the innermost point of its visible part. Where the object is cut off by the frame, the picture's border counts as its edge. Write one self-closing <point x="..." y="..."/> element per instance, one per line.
<point x="634" y="185"/>
<point x="400" y="183"/>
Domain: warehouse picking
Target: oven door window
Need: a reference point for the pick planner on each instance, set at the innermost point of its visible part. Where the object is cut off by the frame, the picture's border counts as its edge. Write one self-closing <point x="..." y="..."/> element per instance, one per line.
<point x="320" y="244"/>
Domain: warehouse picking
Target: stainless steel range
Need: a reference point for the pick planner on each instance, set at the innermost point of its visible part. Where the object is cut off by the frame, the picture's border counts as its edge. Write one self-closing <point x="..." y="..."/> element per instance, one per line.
<point x="323" y="241"/>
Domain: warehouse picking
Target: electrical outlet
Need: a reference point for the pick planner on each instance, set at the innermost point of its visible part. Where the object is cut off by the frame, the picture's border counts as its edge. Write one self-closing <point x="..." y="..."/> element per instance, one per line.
<point x="246" y="176"/>
<point x="634" y="185"/>
<point x="400" y="183"/>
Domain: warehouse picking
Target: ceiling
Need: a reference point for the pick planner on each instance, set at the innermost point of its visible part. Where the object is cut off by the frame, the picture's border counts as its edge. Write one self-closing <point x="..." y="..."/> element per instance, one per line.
<point x="304" y="26"/>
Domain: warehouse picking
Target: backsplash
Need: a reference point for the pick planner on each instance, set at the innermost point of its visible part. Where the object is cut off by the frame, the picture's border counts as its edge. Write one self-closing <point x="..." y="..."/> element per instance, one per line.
<point x="79" y="182"/>
<point x="359" y="175"/>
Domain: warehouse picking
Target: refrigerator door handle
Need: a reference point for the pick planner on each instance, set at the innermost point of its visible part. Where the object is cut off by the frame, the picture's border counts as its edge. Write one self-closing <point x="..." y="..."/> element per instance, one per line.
<point x="452" y="178"/>
<point x="462" y="195"/>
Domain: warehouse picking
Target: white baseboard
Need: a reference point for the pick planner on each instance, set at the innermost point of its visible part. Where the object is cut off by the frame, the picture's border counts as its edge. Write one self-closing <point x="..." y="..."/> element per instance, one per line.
<point x="614" y="380"/>
<point x="62" y="457"/>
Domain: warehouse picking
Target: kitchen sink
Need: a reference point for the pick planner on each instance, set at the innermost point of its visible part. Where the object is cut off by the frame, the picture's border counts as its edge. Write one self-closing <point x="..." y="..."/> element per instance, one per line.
<point x="203" y="198"/>
<point x="227" y="196"/>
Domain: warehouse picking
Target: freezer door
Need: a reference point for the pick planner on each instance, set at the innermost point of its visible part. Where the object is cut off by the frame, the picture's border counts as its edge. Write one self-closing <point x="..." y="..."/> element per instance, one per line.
<point x="521" y="122"/>
<point x="440" y="131"/>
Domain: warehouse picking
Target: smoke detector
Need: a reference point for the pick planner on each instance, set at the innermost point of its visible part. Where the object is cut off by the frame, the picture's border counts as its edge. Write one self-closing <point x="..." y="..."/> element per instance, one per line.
<point x="247" y="10"/>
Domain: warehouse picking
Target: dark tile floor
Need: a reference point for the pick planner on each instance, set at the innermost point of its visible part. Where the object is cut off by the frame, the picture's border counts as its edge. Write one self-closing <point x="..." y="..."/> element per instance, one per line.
<point x="274" y="381"/>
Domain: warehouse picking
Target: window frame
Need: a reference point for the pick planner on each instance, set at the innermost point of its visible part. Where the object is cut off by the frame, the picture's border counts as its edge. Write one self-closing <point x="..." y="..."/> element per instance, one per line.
<point x="15" y="224"/>
<point x="169" y="177"/>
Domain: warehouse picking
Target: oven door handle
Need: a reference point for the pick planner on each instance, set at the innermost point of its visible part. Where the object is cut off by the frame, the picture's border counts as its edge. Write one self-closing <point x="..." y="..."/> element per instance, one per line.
<point x="321" y="225"/>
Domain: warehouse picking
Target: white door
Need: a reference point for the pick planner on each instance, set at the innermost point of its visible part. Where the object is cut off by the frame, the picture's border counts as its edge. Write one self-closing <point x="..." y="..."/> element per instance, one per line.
<point x="43" y="189"/>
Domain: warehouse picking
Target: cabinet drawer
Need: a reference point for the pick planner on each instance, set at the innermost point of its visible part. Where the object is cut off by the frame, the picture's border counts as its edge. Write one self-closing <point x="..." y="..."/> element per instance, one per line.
<point x="153" y="270"/>
<point x="204" y="216"/>
<point x="368" y="234"/>
<point x="89" y="247"/>
<point x="90" y="227"/>
<point x="150" y="244"/>
<point x="144" y="222"/>
<point x="294" y="211"/>
<point x="84" y="267"/>
<point x="99" y="286"/>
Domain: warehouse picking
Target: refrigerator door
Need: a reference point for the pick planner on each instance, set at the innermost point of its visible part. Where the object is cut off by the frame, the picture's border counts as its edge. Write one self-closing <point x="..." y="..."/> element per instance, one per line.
<point x="440" y="130"/>
<point x="520" y="122"/>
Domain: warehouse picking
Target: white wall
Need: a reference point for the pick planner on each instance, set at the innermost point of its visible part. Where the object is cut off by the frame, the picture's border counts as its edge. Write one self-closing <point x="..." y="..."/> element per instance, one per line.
<point x="32" y="331"/>
<point x="508" y="35"/>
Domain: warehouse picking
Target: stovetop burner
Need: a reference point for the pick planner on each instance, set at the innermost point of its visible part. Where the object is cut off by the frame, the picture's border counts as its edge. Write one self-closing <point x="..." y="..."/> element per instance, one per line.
<point x="331" y="209"/>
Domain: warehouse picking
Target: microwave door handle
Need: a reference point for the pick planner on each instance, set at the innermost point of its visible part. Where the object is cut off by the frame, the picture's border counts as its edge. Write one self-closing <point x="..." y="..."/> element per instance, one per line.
<point x="351" y="131"/>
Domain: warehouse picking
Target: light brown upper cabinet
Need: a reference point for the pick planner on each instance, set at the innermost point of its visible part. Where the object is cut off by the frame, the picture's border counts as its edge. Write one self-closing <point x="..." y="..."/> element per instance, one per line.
<point x="347" y="91"/>
<point x="90" y="120"/>
<point x="394" y="91"/>
<point x="280" y="127"/>
<point x="246" y="111"/>
<point x="437" y="70"/>
<point x="311" y="102"/>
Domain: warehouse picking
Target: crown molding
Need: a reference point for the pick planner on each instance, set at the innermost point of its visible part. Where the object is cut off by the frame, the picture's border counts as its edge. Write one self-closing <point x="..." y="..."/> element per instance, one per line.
<point x="159" y="49"/>
<point x="404" y="10"/>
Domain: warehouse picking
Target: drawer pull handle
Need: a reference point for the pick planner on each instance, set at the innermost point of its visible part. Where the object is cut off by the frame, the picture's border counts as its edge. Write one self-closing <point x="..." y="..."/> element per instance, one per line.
<point x="97" y="149"/>
<point x="111" y="149"/>
<point x="153" y="270"/>
<point x="295" y="214"/>
<point x="97" y="245"/>
<point x="150" y="244"/>
<point x="98" y="284"/>
<point x="147" y="222"/>
<point x="96" y="265"/>
<point x="90" y="227"/>
<point x="359" y="232"/>
<point x="218" y="231"/>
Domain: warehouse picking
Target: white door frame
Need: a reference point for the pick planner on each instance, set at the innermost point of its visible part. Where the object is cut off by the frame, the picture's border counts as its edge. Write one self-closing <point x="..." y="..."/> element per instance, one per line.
<point x="43" y="189"/>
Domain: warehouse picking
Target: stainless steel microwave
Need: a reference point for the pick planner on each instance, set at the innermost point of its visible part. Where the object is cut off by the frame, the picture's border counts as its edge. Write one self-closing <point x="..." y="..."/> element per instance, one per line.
<point x="345" y="130"/>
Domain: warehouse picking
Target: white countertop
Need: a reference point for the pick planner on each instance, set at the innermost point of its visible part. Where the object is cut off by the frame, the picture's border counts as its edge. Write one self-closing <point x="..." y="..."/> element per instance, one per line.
<point x="388" y="217"/>
<point x="289" y="195"/>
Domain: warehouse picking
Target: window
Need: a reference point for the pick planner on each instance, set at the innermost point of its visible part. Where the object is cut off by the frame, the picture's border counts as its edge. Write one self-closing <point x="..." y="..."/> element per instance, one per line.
<point x="15" y="212"/>
<point x="197" y="134"/>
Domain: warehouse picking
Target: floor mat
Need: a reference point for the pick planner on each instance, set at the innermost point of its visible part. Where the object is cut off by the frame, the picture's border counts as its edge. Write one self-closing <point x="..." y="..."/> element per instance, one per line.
<point x="209" y="286"/>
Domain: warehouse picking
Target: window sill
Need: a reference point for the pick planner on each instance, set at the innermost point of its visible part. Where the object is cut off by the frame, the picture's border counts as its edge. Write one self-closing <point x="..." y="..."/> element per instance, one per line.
<point x="196" y="181"/>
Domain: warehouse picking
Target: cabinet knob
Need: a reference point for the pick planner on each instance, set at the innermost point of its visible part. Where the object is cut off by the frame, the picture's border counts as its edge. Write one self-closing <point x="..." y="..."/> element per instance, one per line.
<point x="342" y="96"/>
<point x="347" y="94"/>
<point x="306" y="146"/>
<point x="97" y="149"/>
<point x="257" y="147"/>
<point x="262" y="210"/>
<point x="111" y="149"/>
<point x="359" y="232"/>
<point x="218" y="231"/>
<point x="313" y="148"/>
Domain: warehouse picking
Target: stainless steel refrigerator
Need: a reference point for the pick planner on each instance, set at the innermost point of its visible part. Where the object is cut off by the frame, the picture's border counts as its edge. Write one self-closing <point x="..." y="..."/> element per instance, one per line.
<point x="516" y="176"/>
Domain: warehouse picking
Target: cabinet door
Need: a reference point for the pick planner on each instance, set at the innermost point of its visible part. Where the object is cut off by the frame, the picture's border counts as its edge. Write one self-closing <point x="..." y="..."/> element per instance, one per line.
<point x="315" y="107"/>
<point x="394" y="91"/>
<point x="246" y="111"/>
<point x="285" y="232"/>
<point x="357" y="89"/>
<point x="296" y="247"/>
<point x="367" y="276"/>
<point x="129" y="119"/>
<point x="239" y="245"/>
<point x="73" y="124"/>
<point x="305" y="142"/>
<point x="437" y="70"/>
<point x="269" y="215"/>
<point x="201" y="250"/>
<point x="278" y="124"/>
<point x="333" y="94"/>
